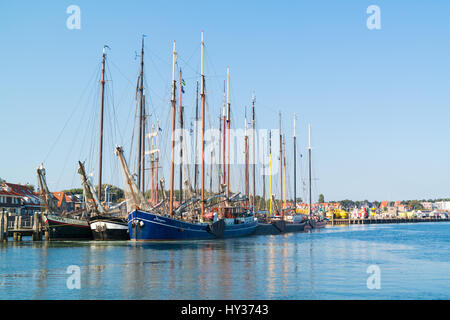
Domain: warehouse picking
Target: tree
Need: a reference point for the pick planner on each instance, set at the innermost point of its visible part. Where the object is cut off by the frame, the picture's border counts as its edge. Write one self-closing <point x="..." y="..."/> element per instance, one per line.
<point x="321" y="198"/>
<point x="415" y="205"/>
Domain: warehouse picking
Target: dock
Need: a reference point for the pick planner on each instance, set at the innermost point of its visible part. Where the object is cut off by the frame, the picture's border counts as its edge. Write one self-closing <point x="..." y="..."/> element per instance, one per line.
<point x="19" y="226"/>
<point x="337" y="222"/>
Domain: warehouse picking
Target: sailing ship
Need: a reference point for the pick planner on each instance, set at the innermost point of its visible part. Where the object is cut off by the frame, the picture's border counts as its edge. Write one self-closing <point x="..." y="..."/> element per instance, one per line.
<point x="314" y="221"/>
<point x="61" y="226"/>
<point x="286" y="220"/>
<point x="105" y="223"/>
<point x="189" y="221"/>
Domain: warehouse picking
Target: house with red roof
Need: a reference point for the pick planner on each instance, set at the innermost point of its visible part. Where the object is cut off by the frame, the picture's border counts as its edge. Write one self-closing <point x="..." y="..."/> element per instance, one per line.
<point x="29" y="201"/>
<point x="384" y="204"/>
<point x="64" y="201"/>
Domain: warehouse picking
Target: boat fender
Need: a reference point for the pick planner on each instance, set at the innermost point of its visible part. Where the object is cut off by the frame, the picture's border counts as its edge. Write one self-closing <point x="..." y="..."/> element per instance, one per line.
<point x="141" y="224"/>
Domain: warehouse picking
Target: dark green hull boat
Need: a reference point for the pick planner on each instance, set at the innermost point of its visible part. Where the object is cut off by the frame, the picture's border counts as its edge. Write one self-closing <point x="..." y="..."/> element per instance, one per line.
<point x="64" y="228"/>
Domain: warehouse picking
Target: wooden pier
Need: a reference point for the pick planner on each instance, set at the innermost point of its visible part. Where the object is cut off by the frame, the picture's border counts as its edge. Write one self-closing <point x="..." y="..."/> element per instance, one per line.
<point x="19" y="226"/>
<point x="337" y="222"/>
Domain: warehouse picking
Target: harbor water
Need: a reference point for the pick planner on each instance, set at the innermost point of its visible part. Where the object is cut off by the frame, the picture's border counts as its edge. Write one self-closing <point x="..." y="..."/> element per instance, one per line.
<point x="413" y="262"/>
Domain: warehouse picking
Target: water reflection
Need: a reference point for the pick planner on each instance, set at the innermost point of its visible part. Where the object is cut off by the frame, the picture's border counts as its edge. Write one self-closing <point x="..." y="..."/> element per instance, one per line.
<point x="328" y="264"/>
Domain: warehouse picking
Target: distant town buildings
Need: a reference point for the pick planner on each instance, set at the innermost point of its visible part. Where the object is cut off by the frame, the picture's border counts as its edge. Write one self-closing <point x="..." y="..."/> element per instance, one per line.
<point x="22" y="200"/>
<point x="18" y="199"/>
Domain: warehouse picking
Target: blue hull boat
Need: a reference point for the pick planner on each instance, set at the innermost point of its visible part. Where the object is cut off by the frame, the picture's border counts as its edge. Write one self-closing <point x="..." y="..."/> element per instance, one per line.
<point x="146" y="226"/>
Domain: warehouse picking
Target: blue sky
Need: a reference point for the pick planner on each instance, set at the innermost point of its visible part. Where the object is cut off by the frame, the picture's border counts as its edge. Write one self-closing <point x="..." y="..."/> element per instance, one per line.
<point x="377" y="100"/>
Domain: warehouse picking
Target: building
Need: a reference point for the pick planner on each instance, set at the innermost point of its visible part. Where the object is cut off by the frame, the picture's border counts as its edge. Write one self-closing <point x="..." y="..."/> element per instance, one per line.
<point x="10" y="202"/>
<point x="427" y="205"/>
<point x="29" y="200"/>
<point x="442" y="205"/>
<point x="384" y="204"/>
<point x="64" y="201"/>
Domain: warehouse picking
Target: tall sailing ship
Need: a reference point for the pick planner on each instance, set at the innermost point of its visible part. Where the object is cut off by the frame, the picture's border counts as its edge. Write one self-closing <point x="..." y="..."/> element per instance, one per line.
<point x="197" y="217"/>
<point x="105" y="223"/>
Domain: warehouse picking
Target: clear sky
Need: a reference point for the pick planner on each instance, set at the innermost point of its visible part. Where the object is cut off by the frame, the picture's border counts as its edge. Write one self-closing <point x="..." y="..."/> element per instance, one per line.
<point x="377" y="100"/>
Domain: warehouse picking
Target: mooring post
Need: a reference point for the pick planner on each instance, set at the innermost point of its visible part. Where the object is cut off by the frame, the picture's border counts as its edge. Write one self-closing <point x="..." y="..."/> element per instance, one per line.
<point x="2" y="226"/>
<point x="36" y="231"/>
<point x="5" y="226"/>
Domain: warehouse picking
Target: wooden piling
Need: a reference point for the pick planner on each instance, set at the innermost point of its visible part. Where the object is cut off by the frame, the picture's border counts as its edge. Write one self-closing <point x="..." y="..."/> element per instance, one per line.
<point x="37" y="235"/>
<point x="3" y="237"/>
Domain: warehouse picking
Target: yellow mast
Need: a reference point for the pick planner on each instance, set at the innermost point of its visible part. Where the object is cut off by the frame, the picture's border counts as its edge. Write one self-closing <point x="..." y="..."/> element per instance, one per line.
<point x="270" y="164"/>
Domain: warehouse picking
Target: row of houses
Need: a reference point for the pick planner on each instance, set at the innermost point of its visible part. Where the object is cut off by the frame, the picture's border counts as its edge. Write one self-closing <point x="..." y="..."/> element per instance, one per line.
<point x="386" y="206"/>
<point x="22" y="200"/>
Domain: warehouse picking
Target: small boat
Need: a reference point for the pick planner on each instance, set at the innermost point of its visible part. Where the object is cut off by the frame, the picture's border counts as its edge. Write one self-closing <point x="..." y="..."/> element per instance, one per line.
<point x="61" y="226"/>
<point x="105" y="224"/>
<point x="107" y="228"/>
<point x="72" y="227"/>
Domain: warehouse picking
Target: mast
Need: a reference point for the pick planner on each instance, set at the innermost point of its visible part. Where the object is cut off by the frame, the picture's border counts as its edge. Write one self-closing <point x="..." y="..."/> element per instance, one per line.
<point x="270" y="167"/>
<point x="202" y="212"/>
<point x="153" y="168"/>
<point x="228" y="132"/>
<point x="284" y="164"/>
<point x="224" y="172"/>
<point x="246" y="159"/>
<point x="174" y="54"/>
<point x="46" y="196"/>
<point x="219" y="165"/>
<point x="100" y="161"/>
<point x="195" y="142"/>
<point x="141" y="116"/>
<point x="253" y="143"/>
<point x="309" y="160"/>
<point x="157" y="163"/>
<point x="143" y="145"/>
<point x="181" y="140"/>
<point x="295" y="166"/>
<point x="281" y="165"/>
<point x="89" y="192"/>
<point x="211" y="171"/>
<point x="264" y="175"/>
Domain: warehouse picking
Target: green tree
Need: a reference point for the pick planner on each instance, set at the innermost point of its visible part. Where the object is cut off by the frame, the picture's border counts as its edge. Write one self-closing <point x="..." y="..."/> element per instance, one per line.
<point x="321" y="198"/>
<point x="415" y="205"/>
